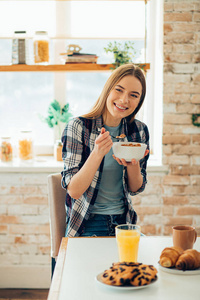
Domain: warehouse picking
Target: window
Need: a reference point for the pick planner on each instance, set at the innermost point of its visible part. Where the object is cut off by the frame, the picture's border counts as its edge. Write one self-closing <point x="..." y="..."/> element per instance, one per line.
<point x="25" y="95"/>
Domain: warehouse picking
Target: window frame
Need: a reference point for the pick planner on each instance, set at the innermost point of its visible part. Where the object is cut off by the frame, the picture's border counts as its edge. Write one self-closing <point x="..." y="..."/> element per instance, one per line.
<point x="154" y="55"/>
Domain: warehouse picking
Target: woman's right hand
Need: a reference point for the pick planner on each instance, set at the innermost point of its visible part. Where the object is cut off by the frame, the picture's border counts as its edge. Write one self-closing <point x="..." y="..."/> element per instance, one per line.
<point x="103" y="143"/>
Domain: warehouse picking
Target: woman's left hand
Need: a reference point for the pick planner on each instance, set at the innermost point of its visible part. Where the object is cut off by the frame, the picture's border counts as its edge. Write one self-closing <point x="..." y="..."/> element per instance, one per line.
<point x="133" y="162"/>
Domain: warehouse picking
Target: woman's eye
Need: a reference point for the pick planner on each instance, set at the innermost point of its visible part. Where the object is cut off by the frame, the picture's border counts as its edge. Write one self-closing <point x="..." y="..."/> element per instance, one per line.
<point x="119" y="90"/>
<point x="134" y="96"/>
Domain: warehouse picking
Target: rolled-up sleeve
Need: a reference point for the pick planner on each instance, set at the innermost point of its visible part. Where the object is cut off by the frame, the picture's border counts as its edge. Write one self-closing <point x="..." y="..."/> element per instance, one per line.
<point x="72" y="150"/>
<point x="143" y="164"/>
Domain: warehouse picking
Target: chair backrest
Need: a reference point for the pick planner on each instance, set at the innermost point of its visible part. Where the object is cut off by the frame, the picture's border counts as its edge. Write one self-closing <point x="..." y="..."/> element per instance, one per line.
<point x="56" y="197"/>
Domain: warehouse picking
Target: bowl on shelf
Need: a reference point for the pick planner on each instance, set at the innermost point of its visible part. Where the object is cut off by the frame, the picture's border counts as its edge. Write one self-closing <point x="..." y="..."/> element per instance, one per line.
<point x="129" y="150"/>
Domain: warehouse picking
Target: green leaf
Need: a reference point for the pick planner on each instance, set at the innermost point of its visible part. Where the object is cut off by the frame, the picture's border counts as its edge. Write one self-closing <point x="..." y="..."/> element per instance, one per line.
<point x="56" y="114"/>
<point x="123" y="53"/>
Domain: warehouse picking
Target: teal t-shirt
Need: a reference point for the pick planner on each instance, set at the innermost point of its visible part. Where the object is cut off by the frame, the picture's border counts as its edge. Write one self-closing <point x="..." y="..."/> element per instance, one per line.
<point x="110" y="195"/>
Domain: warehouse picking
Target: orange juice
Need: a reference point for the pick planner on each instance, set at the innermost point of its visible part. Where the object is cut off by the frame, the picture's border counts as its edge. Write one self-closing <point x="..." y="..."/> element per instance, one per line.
<point x="128" y="244"/>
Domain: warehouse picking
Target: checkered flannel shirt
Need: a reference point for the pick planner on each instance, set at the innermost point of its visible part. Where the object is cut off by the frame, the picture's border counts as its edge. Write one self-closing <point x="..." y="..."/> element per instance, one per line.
<point x="78" y="142"/>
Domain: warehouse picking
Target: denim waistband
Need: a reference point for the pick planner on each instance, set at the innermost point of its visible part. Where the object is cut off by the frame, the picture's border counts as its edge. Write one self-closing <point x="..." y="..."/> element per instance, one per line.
<point x="102" y="225"/>
<point x="116" y="218"/>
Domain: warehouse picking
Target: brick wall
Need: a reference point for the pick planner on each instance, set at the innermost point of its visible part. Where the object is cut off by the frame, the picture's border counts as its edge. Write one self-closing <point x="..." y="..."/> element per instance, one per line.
<point x="168" y="199"/>
<point x="24" y="230"/>
<point x="181" y="139"/>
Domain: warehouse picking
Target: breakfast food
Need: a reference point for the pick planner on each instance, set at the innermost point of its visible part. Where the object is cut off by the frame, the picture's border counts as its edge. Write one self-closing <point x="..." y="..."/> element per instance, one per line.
<point x="41" y="50"/>
<point x="25" y="149"/>
<point x="131" y="145"/>
<point x="121" y="136"/>
<point x="189" y="260"/>
<point x="6" y="151"/>
<point x="169" y="256"/>
<point x="129" y="273"/>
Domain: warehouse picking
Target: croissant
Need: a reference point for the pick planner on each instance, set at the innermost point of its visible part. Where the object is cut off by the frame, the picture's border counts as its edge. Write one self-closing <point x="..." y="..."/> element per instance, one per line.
<point x="169" y="256"/>
<point x="189" y="260"/>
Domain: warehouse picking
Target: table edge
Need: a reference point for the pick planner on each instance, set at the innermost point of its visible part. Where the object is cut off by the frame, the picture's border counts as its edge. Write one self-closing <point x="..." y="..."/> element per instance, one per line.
<point x="58" y="271"/>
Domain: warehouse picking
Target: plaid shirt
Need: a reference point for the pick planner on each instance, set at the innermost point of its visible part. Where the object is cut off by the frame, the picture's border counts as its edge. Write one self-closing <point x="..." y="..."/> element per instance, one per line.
<point x="78" y="142"/>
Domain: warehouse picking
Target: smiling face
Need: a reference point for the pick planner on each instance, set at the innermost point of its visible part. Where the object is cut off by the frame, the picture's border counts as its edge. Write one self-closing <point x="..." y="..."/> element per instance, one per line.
<point x="122" y="100"/>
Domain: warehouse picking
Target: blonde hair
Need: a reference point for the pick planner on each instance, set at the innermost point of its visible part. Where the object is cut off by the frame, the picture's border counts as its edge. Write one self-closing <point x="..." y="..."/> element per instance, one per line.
<point x="99" y="107"/>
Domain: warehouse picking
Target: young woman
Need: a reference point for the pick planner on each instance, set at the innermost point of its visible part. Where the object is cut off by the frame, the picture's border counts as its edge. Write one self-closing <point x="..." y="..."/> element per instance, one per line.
<point x="99" y="185"/>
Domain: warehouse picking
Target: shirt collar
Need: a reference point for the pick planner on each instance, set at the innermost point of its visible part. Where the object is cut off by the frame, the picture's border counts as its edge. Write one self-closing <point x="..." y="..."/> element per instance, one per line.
<point x="99" y="125"/>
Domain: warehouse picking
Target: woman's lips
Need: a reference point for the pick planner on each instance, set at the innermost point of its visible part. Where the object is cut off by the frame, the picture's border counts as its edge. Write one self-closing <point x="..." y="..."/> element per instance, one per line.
<point x="120" y="107"/>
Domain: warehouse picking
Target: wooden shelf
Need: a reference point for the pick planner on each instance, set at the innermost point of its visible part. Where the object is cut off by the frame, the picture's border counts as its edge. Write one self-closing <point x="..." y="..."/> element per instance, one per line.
<point x="70" y="67"/>
<point x="81" y="0"/>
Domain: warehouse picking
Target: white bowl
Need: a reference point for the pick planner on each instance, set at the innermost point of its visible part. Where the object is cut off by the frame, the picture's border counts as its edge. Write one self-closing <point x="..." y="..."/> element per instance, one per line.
<point x="128" y="152"/>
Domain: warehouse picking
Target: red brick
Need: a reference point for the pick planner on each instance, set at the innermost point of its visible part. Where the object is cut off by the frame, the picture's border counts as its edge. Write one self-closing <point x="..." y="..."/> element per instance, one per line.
<point x="3" y="229"/>
<point x="189" y="88"/>
<point x="186" y="27"/>
<point x="19" y="240"/>
<point x="176" y="180"/>
<point x="185" y="170"/>
<point x="184" y="6"/>
<point x="194" y="199"/>
<point x="176" y="139"/>
<point x="167" y="210"/>
<point x="196" y="78"/>
<point x="173" y="190"/>
<point x="196" y="139"/>
<point x="144" y="210"/>
<point x="179" y="57"/>
<point x="167" y="28"/>
<point x="18" y="190"/>
<point x="178" y="17"/>
<point x="167" y="230"/>
<point x="44" y="250"/>
<point x="188" y="210"/>
<point x="4" y="219"/>
<point x="177" y="221"/>
<point x="179" y="38"/>
<point x="148" y="229"/>
<point x="35" y="199"/>
<point x="196" y="17"/>
<point x="196" y="58"/>
<point x="187" y="150"/>
<point x="29" y="229"/>
<point x="183" y="48"/>
<point x="195" y="99"/>
<point x="174" y="200"/>
<point x="177" y="119"/>
<point x="168" y="6"/>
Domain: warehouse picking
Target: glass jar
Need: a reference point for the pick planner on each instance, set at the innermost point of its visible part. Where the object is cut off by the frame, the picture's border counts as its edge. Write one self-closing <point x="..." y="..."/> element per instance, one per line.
<point x="6" y="149"/>
<point x="58" y="150"/>
<point x="19" y="48"/>
<point x="41" y="48"/>
<point x="26" y="145"/>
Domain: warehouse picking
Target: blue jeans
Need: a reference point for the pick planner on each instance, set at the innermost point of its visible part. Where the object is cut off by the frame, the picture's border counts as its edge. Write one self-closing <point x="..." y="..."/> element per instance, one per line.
<point x="102" y="225"/>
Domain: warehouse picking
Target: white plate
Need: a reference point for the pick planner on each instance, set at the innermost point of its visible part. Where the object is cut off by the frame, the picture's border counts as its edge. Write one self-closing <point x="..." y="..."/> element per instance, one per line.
<point x="179" y="272"/>
<point x="125" y="288"/>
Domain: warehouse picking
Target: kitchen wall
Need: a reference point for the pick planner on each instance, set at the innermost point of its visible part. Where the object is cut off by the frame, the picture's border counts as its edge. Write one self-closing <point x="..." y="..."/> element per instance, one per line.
<point x="170" y="197"/>
<point x="181" y="99"/>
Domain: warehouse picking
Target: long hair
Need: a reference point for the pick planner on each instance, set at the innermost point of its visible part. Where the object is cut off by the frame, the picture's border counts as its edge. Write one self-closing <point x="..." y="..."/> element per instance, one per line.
<point x="99" y="107"/>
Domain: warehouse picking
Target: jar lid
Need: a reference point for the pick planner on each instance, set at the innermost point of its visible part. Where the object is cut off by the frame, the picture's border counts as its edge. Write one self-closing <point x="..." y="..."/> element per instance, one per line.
<point x="58" y="143"/>
<point x="41" y="32"/>
<point x="19" y="31"/>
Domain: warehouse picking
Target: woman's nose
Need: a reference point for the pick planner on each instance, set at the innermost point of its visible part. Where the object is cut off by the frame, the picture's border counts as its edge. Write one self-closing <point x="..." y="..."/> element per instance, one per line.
<point x="124" y="98"/>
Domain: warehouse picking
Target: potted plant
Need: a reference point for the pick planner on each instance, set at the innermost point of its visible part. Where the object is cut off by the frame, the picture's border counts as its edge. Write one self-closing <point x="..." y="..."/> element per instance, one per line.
<point x="123" y="53"/>
<point x="56" y="116"/>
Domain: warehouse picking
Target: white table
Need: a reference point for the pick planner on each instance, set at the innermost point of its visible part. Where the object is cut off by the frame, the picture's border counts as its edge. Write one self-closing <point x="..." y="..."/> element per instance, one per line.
<point x="87" y="257"/>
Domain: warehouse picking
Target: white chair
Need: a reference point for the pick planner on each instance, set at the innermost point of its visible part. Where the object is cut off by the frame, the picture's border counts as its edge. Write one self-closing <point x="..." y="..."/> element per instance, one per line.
<point x="56" y="198"/>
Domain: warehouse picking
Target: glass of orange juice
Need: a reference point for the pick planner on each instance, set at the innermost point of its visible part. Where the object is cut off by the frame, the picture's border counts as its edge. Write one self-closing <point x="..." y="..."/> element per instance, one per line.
<point x="128" y="237"/>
